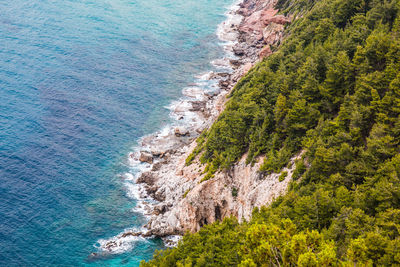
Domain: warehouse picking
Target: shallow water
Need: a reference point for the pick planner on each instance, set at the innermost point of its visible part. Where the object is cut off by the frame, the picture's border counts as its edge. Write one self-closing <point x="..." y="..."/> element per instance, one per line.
<point x="80" y="82"/>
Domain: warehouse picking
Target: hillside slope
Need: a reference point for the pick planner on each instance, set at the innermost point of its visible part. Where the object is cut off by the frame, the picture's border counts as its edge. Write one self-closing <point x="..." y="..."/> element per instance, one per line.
<point x="332" y="91"/>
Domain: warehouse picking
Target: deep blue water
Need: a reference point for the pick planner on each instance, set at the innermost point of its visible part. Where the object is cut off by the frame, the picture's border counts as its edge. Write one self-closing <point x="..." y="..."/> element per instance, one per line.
<point x="80" y="82"/>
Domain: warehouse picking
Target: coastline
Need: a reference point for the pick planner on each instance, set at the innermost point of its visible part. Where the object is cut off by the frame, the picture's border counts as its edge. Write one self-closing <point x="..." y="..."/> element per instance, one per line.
<point x="161" y="181"/>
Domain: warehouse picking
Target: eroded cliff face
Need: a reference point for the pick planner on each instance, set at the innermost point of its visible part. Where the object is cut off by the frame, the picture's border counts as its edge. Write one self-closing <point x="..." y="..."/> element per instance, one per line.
<point x="191" y="203"/>
<point x="186" y="203"/>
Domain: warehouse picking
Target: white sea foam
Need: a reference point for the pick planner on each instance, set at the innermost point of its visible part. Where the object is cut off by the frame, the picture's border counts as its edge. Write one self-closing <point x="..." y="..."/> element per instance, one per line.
<point x="143" y="208"/>
<point x="204" y="76"/>
<point x="221" y="63"/>
<point x="133" y="191"/>
<point x="165" y="131"/>
<point x="227" y="30"/>
<point x="128" y="176"/>
<point x="196" y="93"/>
<point x="121" y="243"/>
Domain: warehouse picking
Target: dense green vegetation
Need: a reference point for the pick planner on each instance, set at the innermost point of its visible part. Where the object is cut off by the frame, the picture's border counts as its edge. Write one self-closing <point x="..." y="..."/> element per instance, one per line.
<point x="333" y="90"/>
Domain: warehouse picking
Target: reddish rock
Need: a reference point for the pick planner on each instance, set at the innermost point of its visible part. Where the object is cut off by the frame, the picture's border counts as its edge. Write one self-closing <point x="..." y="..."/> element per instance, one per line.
<point x="265" y="52"/>
<point x="264" y="20"/>
<point x="247" y="67"/>
<point x="267" y="15"/>
<point x="273" y="33"/>
<point x="252" y="23"/>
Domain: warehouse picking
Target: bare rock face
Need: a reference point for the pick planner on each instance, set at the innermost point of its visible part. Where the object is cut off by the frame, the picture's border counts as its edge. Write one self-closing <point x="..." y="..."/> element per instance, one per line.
<point x="267" y="16"/>
<point x="257" y="21"/>
<point x="261" y="27"/>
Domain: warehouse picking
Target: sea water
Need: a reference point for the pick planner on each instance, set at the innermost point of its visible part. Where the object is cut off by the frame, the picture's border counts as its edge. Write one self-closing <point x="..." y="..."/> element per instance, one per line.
<point x="80" y="82"/>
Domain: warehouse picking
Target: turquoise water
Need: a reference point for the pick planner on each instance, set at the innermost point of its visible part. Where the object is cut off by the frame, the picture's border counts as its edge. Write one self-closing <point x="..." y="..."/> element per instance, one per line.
<point x="80" y="82"/>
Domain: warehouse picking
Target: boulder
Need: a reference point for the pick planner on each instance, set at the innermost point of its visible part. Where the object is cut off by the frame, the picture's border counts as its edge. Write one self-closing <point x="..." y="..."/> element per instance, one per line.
<point x="198" y="105"/>
<point x="223" y="84"/>
<point x="234" y="62"/>
<point x="181" y="131"/>
<point x="147" y="178"/>
<point x="157" y="153"/>
<point x="160" y="209"/>
<point x="159" y="196"/>
<point x="238" y="51"/>
<point x="146" y="157"/>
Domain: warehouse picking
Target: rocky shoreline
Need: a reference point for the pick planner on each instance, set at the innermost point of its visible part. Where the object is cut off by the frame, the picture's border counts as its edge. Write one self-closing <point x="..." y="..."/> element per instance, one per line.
<point x="170" y="193"/>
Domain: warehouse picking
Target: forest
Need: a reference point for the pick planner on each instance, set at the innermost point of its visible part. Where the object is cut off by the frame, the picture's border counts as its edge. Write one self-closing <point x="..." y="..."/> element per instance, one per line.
<point x="332" y="90"/>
